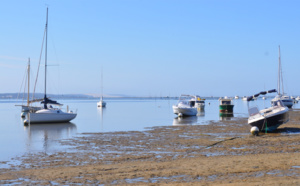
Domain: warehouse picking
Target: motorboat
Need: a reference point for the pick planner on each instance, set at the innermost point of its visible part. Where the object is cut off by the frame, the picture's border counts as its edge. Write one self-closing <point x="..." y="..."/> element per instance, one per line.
<point x="226" y="105"/>
<point x="236" y="97"/>
<point x="199" y="102"/>
<point x="268" y="119"/>
<point x="188" y="105"/>
<point x="49" y="114"/>
<point x="298" y="98"/>
<point x="286" y="100"/>
<point x="244" y="98"/>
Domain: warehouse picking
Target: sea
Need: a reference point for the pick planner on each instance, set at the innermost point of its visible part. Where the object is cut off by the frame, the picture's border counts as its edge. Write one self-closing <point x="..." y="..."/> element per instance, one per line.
<point x="120" y="114"/>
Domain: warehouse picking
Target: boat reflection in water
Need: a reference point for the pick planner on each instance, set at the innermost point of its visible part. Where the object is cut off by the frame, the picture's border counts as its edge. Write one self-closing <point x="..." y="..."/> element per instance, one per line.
<point x="46" y="137"/>
<point x="100" y="111"/>
<point x="226" y="116"/>
<point x="180" y="121"/>
<point x="201" y="113"/>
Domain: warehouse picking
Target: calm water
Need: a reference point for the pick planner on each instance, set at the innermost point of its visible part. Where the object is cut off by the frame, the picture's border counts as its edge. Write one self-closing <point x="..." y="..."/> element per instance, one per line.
<point x="119" y="115"/>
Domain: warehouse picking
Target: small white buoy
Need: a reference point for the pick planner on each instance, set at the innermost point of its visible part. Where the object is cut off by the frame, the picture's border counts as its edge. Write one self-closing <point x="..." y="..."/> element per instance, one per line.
<point x="254" y="131"/>
<point x="23" y="114"/>
<point x="180" y="114"/>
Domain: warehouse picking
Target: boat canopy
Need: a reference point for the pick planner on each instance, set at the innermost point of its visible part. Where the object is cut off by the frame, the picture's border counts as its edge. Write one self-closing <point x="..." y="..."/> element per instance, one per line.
<point x="249" y="98"/>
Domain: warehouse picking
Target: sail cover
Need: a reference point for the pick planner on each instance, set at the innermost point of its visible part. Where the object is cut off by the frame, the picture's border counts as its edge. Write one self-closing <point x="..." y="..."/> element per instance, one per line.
<point x="49" y="101"/>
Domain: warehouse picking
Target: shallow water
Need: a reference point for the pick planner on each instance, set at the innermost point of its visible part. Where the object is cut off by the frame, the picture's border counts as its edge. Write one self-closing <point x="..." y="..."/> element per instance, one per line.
<point x="119" y="115"/>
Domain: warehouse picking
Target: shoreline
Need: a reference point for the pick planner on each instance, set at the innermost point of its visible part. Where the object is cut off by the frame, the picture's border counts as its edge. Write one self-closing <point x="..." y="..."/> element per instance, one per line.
<point x="221" y="152"/>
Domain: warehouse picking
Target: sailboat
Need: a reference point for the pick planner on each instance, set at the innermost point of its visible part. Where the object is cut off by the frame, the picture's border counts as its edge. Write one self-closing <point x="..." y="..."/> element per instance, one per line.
<point x="286" y="100"/>
<point x="49" y="114"/>
<point x="26" y="108"/>
<point x="101" y="103"/>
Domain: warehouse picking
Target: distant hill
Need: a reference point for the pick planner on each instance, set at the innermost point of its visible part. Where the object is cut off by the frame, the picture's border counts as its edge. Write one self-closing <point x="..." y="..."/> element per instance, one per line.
<point x="61" y="96"/>
<point x="83" y="96"/>
<point x="41" y="95"/>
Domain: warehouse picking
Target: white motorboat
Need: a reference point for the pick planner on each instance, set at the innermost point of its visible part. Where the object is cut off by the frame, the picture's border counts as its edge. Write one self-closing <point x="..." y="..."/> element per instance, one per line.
<point x="244" y="98"/>
<point x="187" y="106"/>
<point x="286" y="100"/>
<point x="236" y="97"/>
<point x="226" y="105"/>
<point x="49" y="114"/>
<point x="199" y="102"/>
<point x="298" y="98"/>
<point x="268" y="119"/>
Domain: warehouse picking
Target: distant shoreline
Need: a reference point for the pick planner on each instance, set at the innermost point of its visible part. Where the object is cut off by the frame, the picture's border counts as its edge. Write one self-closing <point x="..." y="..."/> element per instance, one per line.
<point x="21" y="96"/>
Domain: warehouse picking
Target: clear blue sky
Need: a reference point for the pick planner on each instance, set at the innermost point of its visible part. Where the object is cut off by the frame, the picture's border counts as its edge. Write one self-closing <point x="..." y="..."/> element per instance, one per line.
<point x="153" y="47"/>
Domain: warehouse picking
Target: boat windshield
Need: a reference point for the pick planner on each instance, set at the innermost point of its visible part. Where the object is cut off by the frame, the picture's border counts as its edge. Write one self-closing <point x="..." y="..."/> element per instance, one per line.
<point x="253" y="111"/>
<point x="225" y="102"/>
<point x="192" y="103"/>
<point x="277" y="103"/>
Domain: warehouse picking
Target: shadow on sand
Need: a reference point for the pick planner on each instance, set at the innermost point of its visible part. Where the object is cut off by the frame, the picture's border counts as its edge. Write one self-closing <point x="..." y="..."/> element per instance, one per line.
<point x="287" y="130"/>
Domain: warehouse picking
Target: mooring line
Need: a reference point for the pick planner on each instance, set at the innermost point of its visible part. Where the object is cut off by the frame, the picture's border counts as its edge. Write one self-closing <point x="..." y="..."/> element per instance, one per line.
<point x="221" y="142"/>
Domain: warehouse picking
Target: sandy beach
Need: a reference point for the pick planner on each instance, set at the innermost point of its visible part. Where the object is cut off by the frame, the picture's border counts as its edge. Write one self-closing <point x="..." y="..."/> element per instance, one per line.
<point x="219" y="153"/>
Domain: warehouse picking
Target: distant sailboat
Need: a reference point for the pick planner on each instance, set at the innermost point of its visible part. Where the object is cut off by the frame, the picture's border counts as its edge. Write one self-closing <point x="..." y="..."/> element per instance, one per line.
<point x="49" y="114"/>
<point x="101" y="103"/>
<point x="286" y="100"/>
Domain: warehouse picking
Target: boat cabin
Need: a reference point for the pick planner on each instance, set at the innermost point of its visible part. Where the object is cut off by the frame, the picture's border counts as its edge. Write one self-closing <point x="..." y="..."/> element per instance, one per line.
<point x="225" y="102"/>
<point x="192" y="103"/>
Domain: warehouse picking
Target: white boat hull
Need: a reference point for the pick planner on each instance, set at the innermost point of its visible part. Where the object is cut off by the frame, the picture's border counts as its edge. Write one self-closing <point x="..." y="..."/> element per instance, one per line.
<point x="50" y="116"/>
<point x="269" y="119"/>
<point x="30" y="108"/>
<point x="185" y="111"/>
<point x="101" y="104"/>
<point x="200" y="106"/>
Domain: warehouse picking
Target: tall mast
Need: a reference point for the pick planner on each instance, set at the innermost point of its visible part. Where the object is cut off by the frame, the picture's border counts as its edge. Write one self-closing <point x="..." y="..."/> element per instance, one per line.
<point x="281" y="76"/>
<point x="101" y="83"/>
<point x="28" y="71"/>
<point x="279" y="67"/>
<point x="46" y="28"/>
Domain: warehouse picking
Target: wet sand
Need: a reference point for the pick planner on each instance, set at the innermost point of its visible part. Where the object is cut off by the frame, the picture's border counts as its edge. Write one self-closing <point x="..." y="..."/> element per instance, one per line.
<point x="220" y="153"/>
